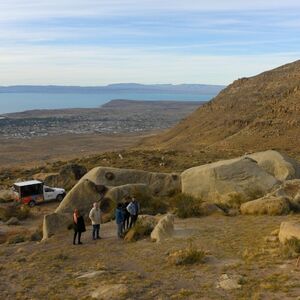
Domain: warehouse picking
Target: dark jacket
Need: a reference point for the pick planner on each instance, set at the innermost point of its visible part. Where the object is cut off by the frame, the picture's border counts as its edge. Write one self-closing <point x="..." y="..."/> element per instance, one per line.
<point x="119" y="216"/>
<point x="80" y="226"/>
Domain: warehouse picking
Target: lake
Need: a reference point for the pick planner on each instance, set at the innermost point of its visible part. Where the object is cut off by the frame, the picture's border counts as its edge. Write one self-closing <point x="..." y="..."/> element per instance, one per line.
<point x="16" y="102"/>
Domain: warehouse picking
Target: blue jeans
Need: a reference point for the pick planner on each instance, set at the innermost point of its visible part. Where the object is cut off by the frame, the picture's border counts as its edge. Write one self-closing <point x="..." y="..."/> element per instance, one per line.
<point x="120" y="230"/>
<point x="96" y="229"/>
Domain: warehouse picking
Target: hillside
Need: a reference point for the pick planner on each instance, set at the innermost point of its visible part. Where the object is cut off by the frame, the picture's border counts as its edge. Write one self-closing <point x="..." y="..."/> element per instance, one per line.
<point x="254" y="113"/>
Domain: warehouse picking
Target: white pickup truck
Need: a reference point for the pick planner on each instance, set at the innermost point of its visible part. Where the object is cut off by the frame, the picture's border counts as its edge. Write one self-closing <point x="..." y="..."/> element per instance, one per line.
<point x="33" y="192"/>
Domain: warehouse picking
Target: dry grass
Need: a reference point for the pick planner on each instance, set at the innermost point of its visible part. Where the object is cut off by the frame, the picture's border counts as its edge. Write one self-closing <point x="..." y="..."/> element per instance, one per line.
<point x="21" y="212"/>
<point x="291" y="249"/>
<point x="189" y="256"/>
<point x="186" y="206"/>
<point x="143" y="266"/>
<point x="140" y="230"/>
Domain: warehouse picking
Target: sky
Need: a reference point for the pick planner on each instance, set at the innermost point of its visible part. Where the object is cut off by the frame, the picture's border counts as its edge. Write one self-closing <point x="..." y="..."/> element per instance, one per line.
<point x="89" y="42"/>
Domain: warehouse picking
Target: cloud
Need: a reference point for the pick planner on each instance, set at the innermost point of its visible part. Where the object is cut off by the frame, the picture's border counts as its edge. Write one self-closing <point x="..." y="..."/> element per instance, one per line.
<point x="35" y="9"/>
<point x="103" y="41"/>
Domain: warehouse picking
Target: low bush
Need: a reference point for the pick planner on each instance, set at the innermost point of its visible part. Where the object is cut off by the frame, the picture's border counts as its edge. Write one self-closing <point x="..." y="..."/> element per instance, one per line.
<point x="291" y="248"/>
<point x="15" y="239"/>
<point x="140" y="230"/>
<point x="152" y="205"/>
<point x="188" y="256"/>
<point x="20" y="212"/>
<point x="186" y="206"/>
<point x="235" y="200"/>
<point x="37" y="235"/>
<point x="156" y="205"/>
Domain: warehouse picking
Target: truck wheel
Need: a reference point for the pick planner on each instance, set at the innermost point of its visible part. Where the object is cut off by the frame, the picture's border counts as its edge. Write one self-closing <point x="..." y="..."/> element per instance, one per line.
<point x="60" y="197"/>
<point x="31" y="203"/>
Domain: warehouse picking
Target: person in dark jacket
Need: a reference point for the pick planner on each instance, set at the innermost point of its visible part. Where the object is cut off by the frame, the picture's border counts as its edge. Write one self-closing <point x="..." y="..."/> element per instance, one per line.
<point x="78" y="225"/>
<point x="119" y="219"/>
<point x="126" y="215"/>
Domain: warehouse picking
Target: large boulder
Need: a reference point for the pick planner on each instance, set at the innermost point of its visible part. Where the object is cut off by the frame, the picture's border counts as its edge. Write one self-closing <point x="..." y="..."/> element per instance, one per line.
<point x="268" y="205"/>
<point x="13" y="221"/>
<point x="66" y="178"/>
<point x="229" y="182"/>
<point x="6" y="195"/>
<point x="118" y="193"/>
<point x="164" y="228"/>
<point x="158" y="183"/>
<point x="82" y="197"/>
<point x="291" y="190"/>
<point x="277" y="164"/>
<point x="289" y="230"/>
<point x="56" y="223"/>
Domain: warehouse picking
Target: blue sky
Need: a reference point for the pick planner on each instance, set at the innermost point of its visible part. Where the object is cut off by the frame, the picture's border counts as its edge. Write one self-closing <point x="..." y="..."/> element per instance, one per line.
<point x="88" y="42"/>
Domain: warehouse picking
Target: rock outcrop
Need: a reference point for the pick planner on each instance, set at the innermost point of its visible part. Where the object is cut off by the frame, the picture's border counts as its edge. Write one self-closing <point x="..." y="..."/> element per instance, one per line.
<point x="164" y="228"/>
<point x="290" y="189"/>
<point x="228" y="182"/>
<point x="66" y="178"/>
<point x="13" y="221"/>
<point x="268" y="205"/>
<point x="82" y="197"/>
<point x="6" y="195"/>
<point x="277" y="164"/>
<point x="112" y="185"/>
<point x="289" y="230"/>
<point x="118" y="193"/>
<point x="158" y="183"/>
<point x="56" y="223"/>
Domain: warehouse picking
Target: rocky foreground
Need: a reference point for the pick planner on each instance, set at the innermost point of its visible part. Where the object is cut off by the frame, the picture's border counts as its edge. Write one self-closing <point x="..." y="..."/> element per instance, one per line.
<point x="245" y="243"/>
<point x="243" y="260"/>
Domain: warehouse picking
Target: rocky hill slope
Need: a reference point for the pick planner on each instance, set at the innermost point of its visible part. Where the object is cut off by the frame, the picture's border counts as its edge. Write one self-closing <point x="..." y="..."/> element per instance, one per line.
<point x="251" y="114"/>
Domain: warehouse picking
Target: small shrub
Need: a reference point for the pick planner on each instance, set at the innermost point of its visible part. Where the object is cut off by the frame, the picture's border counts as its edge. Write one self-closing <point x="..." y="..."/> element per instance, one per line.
<point x="291" y="248"/>
<point x="186" y="206"/>
<point x="20" y="212"/>
<point x="37" y="235"/>
<point x="235" y="200"/>
<point x="188" y="256"/>
<point x="152" y="205"/>
<point x="156" y="205"/>
<point x="139" y="231"/>
<point x="16" y="239"/>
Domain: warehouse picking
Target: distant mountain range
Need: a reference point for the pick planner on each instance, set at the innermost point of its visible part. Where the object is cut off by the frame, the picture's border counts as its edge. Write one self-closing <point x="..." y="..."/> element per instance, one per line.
<point x="180" y="88"/>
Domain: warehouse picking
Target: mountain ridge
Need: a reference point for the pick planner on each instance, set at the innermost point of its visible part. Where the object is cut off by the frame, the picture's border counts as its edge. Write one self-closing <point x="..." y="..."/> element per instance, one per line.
<point x="251" y="114"/>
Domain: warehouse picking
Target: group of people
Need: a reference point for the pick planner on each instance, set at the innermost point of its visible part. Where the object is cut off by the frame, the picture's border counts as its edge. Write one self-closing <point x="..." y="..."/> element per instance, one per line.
<point x="126" y="215"/>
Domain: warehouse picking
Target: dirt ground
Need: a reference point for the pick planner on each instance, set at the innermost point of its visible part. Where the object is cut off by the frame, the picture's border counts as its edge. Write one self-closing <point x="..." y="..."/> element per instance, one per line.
<point x="236" y="246"/>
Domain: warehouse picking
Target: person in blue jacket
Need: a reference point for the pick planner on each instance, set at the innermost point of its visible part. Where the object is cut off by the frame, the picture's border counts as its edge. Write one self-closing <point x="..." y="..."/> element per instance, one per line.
<point x="119" y="219"/>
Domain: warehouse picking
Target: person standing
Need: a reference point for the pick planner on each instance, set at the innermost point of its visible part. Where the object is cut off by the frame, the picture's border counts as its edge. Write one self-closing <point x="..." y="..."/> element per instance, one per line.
<point x="78" y="225"/>
<point x="119" y="220"/>
<point x="134" y="209"/>
<point x="126" y="215"/>
<point x="95" y="217"/>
